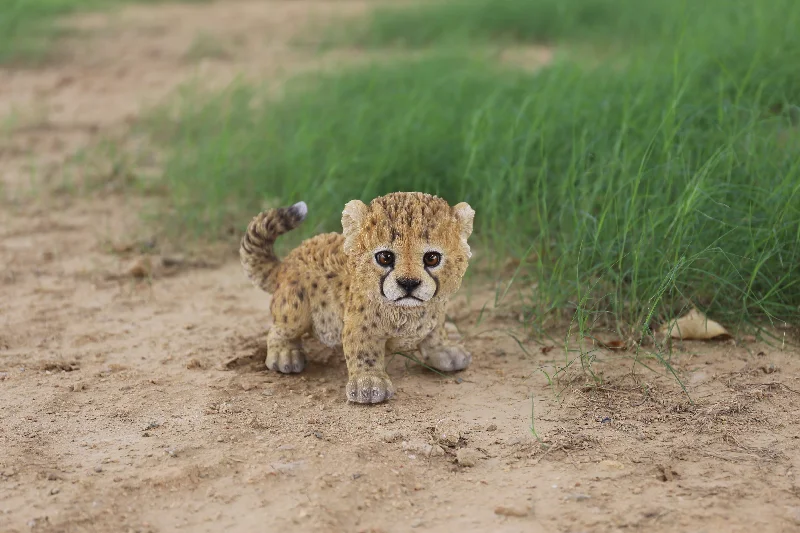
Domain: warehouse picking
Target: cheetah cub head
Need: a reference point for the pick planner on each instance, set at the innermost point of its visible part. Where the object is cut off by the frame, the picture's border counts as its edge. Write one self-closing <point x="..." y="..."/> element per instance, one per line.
<point x="407" y="249"/>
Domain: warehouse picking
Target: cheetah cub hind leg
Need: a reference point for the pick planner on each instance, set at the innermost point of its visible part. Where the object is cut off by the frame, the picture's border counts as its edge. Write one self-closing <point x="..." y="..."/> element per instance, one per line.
<point x="439" y="352"/>
<point x="291" y="320"/>
<point x="284" y="354"/>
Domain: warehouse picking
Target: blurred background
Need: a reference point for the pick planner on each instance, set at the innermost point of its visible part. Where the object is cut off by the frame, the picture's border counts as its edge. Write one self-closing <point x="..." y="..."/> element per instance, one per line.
<point x="629" y="159"/>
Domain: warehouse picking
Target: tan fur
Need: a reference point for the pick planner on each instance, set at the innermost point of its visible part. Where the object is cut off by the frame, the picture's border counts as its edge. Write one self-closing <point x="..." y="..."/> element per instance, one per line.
<point x="332" y="286"/>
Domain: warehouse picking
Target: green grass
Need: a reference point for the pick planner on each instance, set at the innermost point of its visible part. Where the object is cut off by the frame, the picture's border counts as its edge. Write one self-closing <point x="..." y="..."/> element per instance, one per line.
<point x="29" y="30"/>
<point x="605" y="22"/>
<point x="668" y="179"/>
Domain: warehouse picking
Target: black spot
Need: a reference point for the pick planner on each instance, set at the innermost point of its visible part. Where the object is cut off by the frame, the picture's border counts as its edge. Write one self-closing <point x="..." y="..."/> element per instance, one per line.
<point x="295" y="304"/>
<point x="314" y="285"/>
<point x="370" y="362"/>
<point x="285" y="318"/>
<point x="323" y="303"/>
<point x="293" y="282"/>
<point x="374" y="324"/>
<point x="364" y="329"/>
<point x="361" y="309"/>
<point x="330" y="275"/>
<point x="301" y="294"/>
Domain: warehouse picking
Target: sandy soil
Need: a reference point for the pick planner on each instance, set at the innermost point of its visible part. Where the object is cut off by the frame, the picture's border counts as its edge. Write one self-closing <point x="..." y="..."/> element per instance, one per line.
<point x="143" y="404"/>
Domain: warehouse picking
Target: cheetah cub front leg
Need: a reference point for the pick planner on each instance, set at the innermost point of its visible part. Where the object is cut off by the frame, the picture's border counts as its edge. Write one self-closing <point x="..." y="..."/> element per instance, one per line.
<point x="439" y="352"/>
<point x="368" y="381"/>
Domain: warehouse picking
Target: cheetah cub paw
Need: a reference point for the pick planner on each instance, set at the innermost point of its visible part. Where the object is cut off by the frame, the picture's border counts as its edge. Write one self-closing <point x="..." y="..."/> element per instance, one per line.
<point x="370" y="388"/>
<point x="448" y="358"/>
<point x="285" y="358"/>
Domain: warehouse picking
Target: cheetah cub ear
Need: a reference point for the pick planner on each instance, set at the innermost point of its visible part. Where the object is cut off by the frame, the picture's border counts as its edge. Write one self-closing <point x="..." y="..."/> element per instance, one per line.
<point x="352" y="218"/>
<point x="465" y="214"/>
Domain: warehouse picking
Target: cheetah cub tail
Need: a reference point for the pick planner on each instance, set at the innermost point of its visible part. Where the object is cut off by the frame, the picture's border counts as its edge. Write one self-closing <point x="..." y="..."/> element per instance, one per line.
<point x="257" y="247"/>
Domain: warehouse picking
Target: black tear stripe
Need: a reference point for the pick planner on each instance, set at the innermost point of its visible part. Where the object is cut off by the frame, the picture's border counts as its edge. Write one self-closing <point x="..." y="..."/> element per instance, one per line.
<point x="383" y="279"/>
<point x="435" y="280"/>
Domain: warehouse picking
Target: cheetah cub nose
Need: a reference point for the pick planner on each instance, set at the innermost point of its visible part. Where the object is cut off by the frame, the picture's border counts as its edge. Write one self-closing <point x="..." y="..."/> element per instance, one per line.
<point x="409" y="284"/>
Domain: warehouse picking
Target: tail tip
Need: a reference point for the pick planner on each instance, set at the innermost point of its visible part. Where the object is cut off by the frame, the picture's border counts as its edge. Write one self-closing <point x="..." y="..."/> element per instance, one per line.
<point x="299" y="210"/>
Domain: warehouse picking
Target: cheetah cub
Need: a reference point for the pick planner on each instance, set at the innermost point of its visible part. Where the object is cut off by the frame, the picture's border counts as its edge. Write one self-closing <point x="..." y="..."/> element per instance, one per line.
<point x="382" y="285"/>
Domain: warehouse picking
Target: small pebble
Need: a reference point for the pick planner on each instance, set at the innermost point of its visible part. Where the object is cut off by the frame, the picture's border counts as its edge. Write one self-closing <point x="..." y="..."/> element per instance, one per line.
<point x="491" y="427"/>
<point x="608" y="464"/>
<point x="419" y="447"/>
<point x="98" y="469"/>
<point x="447" y="432"/>
<point x="391" y="435"/>
<point x="54" y="491"/>
<point x="416" y="523"/>
<point x="318" y="435"/>
<point x="579" y="497"/>
<point x="286" y="467"/>
<point x="512" y="510"/>
<point x="467" y="457"/>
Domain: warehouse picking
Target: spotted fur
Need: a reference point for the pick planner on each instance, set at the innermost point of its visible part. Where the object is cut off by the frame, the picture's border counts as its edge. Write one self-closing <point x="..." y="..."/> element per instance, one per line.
<point x="342" y="289"/>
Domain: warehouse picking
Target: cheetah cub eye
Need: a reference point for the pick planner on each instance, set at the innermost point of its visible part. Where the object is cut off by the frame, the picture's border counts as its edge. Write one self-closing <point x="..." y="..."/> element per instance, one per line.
<point x="432" y="259"/>
<point x="385" y="259"/>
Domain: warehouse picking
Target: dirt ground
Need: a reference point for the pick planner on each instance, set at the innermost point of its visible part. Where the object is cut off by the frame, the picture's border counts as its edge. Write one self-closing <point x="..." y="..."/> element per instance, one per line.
<point x="143" y="404"/>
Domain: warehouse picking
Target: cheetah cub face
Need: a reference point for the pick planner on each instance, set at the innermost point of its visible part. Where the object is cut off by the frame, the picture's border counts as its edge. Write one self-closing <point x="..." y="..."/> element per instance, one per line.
<point x="407" y="251"/>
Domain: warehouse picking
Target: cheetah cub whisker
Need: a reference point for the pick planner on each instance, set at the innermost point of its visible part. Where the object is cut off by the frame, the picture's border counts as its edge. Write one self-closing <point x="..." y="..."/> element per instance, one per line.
<point x="382" y="284"/>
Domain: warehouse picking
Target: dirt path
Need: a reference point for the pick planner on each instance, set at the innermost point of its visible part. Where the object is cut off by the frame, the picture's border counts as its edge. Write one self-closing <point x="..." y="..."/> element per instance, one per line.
<point x="119" y="412"/>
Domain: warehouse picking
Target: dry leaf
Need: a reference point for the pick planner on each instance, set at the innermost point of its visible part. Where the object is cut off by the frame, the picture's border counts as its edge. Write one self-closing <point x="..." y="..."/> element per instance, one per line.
<point x="694" y="326"/>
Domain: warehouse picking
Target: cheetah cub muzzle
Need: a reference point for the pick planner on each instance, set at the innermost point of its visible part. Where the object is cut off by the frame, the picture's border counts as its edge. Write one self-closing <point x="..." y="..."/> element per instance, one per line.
<point x="381" y="285"/>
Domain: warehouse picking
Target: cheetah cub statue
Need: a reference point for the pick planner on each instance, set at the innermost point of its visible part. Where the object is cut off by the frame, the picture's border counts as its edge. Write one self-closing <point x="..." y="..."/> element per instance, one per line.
<point x="381" y="285"/>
